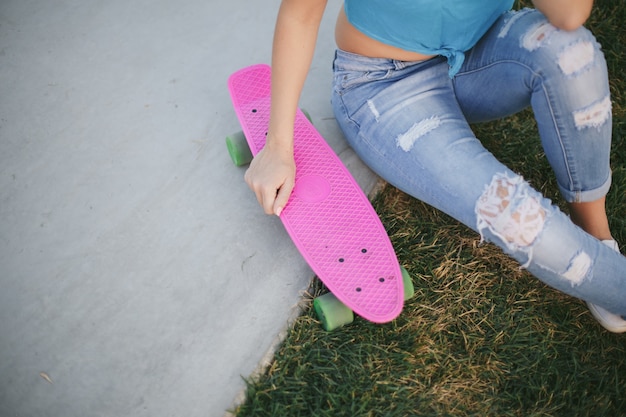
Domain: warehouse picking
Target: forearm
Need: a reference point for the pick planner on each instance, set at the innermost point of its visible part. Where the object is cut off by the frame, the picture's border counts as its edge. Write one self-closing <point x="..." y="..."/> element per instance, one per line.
<point x="295" y="37"/>
<point x="565" y="14"/>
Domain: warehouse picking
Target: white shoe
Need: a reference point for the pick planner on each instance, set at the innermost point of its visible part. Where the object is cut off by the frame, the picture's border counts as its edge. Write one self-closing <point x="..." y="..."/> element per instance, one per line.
<point x="611" y="322"/>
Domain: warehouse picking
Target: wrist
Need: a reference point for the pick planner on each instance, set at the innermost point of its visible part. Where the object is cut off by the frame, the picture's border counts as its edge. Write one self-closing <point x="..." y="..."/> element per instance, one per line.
<point x="282" y="143"/>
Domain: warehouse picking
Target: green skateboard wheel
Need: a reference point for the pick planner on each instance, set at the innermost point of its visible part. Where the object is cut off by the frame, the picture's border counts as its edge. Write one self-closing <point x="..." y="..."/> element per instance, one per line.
<point x="332" y="312"/>
<point x="409" y="289"/>
<point x="238" y="149"/>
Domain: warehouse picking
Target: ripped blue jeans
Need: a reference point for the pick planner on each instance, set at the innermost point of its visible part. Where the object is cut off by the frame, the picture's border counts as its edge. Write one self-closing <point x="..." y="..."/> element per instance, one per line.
<point x="408" y="121"/>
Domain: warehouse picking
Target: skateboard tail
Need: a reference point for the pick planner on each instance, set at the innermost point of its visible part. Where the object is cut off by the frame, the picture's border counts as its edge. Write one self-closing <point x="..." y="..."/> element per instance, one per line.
<point x="369" y="287"/>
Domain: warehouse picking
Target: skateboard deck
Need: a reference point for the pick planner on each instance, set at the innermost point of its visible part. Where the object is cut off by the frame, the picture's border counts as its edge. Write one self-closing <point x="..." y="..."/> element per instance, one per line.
<point x="328" y="217"/>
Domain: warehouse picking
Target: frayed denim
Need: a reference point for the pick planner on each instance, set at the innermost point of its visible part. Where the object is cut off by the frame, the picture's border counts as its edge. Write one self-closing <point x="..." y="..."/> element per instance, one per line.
<point x="410" y="123"/>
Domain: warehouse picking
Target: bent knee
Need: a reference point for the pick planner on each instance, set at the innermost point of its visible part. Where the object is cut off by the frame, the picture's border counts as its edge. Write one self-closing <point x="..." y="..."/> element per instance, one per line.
<point x="575" y="50"/>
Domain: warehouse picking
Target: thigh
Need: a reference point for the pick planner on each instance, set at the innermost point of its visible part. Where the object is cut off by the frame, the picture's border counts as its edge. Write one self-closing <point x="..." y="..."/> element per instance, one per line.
<point x="524" y="60"/>
<point x="523" y="55"/>
<point x="411" y="131"/>
<point x="496" y="80"/>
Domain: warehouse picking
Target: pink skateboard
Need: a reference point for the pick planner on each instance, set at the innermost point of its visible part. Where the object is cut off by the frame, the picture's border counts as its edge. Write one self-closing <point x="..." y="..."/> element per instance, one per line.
<point x="329" y="218"/>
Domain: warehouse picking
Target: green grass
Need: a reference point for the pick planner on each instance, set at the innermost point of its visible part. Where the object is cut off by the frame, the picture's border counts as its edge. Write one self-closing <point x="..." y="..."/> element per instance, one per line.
<point x="481" y="337"/>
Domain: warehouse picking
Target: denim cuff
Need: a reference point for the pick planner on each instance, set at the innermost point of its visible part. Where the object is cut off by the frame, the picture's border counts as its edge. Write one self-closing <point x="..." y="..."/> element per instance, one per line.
<point x="586" y="196"/>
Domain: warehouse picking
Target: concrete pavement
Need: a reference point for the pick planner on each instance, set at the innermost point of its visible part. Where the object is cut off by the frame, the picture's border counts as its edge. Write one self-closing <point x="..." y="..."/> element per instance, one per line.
<point x="138" y="276"/>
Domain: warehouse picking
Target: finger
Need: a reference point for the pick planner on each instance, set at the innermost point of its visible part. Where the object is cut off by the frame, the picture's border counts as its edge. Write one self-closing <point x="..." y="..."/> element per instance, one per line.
<point x="268" y="199"/>
<point x="282" y="197"/>
<point x="256" y="189"/>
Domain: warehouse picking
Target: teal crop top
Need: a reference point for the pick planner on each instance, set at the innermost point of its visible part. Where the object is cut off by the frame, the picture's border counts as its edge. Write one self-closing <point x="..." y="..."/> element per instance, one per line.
<point x="432" y="27"/>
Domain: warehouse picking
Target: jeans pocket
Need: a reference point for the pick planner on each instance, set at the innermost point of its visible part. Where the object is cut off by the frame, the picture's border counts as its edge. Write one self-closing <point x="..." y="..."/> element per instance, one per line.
<point x="346" y="80"/>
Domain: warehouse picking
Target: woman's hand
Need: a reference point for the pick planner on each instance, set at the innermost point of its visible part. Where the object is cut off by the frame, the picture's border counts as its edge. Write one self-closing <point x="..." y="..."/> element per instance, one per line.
<point x="272" y="176"/>
<point x="565" y="14"/>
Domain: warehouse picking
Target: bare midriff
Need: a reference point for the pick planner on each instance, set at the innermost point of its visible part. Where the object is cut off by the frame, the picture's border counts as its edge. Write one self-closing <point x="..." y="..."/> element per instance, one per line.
<point x="350" y="39"/>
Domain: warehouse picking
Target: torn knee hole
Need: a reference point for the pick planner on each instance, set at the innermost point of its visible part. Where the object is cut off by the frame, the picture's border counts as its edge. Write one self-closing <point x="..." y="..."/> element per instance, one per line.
<point x="508" y="211"/>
